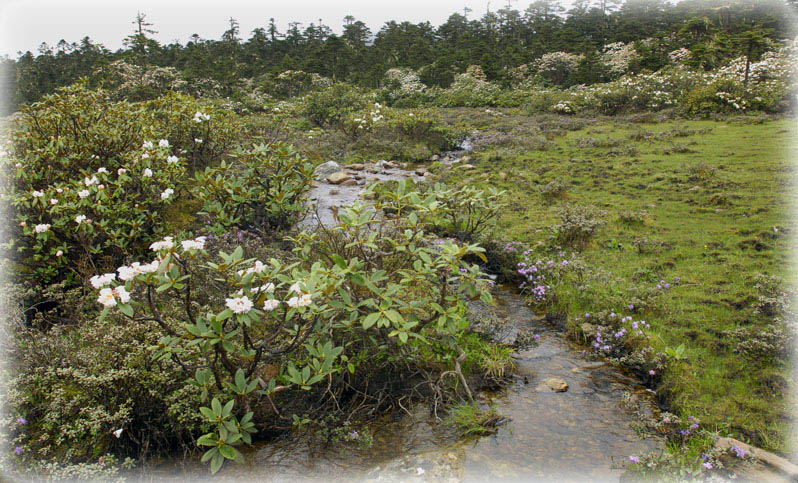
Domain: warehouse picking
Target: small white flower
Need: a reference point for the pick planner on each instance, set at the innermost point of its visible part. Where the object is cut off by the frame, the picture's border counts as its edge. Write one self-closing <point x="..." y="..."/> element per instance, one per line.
<point x="102" y="170"/>
<point x="37" y="194"/>
<point x="198" y="141"/>
<point x="301" y="301"/>
<point x="107" y="297"/>
<point x="165" y="244"/>
<point x="147" y="145"/>
<point x="122" y="294"/>
<point x="41" y="228"/>
<point x="59" y="253"/>
<point x="80" y="219"/>
<point x="167" y="193"/>
<point x="171" y="159"/>
<point x="268" y="288"/>
<point x="147" y="173"/>
<point x="295" y="288"/>
<point x="90" y="181"/>
<point x="53" y="201"/>
<point x="164" y="143"/>
<point x="18" y="165"/>
<point x="59" y="190"/>
<point x="83" y="193"/>
<point x="145" y="156"/>
<point x="118" y="432"/>
<point x="121" y="171"/>
<point x="270" y="305"/>
<point x="100" y="281"/>
<point x="195" y="244"/>
<point x="239" y="305"/>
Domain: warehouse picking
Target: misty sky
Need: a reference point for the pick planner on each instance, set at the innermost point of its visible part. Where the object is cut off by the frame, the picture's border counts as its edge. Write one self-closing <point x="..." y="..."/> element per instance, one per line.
<point x="24" y="24"/>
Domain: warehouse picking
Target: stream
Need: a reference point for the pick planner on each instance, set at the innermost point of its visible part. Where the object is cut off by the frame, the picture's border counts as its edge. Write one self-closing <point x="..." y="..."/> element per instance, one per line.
<point x="581" y="433"/>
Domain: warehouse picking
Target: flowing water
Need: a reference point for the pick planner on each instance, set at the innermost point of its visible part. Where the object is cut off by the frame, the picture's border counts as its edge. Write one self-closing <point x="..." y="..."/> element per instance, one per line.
<point x="582" y="434"/>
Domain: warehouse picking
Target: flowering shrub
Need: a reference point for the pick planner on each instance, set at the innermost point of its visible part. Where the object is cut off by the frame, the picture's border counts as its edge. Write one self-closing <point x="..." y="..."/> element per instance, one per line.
<point x="557" y="67"/>
<point x="467" y="211"/>
<point x="88" y="183"/>
<point x="196" y="130"/>
<point x="262" y="189"/>
<point x="133" y="82"/>
<point x="358" y="301"/>
<point x="469" y="89"/>
<point x="331" y="105"/>
<point x="292" y="83"/>
<point x="618" y="56"/>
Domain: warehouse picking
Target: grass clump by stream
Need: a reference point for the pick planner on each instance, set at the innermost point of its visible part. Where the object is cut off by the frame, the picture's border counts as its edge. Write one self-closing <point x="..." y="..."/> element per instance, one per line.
<point x="470" y="419"/>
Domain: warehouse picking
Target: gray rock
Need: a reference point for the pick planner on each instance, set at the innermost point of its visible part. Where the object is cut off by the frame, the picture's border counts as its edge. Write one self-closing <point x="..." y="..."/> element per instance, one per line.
<point x="435" y="158"/>
<point x="421" y="171"/>
<point x="356" y="166"/>
<point x="349" y="182"/>
<point x="323" y="171"/>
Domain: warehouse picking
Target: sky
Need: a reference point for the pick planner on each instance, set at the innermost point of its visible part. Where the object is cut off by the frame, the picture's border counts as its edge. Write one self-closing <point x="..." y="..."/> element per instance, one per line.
<point x="25" y="24"/>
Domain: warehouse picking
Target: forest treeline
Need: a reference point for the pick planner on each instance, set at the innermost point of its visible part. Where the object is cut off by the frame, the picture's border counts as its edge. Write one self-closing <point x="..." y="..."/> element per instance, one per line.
<point x="498" y="41"/>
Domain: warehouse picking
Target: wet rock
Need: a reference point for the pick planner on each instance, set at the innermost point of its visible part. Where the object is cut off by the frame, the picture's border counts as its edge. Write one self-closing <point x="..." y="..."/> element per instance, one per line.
<point x="421" y="171"/>
<point x="356" y="166"/>
<point x="381" y="165"/>
<point x="555" y="384"/>
<point x="349" y="182"/>
<point x="435" y="158"/>
<point x="338" y="177"/>
<point x="323" y="171"/>
<point x="389" y="164"/>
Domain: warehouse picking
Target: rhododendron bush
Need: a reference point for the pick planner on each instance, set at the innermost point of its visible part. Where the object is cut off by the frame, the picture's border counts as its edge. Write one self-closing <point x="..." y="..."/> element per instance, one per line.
<point x="365" y="297"/>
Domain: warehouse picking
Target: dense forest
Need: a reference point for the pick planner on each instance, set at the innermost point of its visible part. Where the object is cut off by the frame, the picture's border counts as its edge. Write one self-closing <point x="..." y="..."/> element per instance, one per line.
<point x="499" y="42"/>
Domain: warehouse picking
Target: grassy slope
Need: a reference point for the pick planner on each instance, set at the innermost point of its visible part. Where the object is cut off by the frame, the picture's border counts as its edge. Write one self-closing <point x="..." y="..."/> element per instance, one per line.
<point x="715" y="244"/>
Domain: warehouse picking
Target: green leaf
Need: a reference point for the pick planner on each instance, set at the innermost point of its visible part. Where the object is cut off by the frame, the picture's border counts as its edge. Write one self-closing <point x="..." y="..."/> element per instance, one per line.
<point x="371" y="319"/>
<point x="216" y="463"/>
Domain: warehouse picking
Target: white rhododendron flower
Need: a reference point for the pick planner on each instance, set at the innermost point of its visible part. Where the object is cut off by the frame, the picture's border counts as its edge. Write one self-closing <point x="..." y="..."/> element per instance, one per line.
<point x="167" y="193"/>
<point x="302" y="301"/>
<point x="122" y="294"/>
<point x="198" y="140"/>
<point x="90" y="181"/>
<point x="53" y="201"/>
<point x="239" y="305"/>
<point x="107" y="297"/>
<point x="145" y="156"/>
<point x="171" y="160"/>
<point x="270" y="305"/>
<point x="83" y="193"/>
<point x="164" y="143"/>
<point x="268" y="288"/>
<point x="59" y="253"/>
<point x="41" y="228"/>
<point x="129" y="272"/>
<point x="80" y="219"/>
<point x="295" y="288"/>
<point x="165" y="244"/>
<point x="147" y="173"/>
<point x="147" y="145"/>
<point x="195" y="244"/>
<point x="102" y="170"/>
<point x="99" y="281"/>
<point x="259" y="267"/>
<point x="37" y="194"/>
<point x="121" y="171"/>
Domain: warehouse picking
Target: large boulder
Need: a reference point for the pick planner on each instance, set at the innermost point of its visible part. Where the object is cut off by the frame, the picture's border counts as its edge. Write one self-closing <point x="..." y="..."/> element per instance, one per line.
<point x="323" y="171"/>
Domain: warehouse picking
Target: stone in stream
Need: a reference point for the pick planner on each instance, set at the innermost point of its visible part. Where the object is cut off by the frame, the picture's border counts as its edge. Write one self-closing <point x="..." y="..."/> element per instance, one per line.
<point x="356" y="166"/>
<point x="323" y="171"/>
<point x="434" y="158"/>
<point x="421" y="171"/>
<point x="349" y="182"/>
<point x="555" y="384"/>
<point x="338" y="177"/>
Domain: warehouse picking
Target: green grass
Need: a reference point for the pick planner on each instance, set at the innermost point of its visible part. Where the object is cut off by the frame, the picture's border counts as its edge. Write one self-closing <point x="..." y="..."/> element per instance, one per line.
<point x="712" y="193"/>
